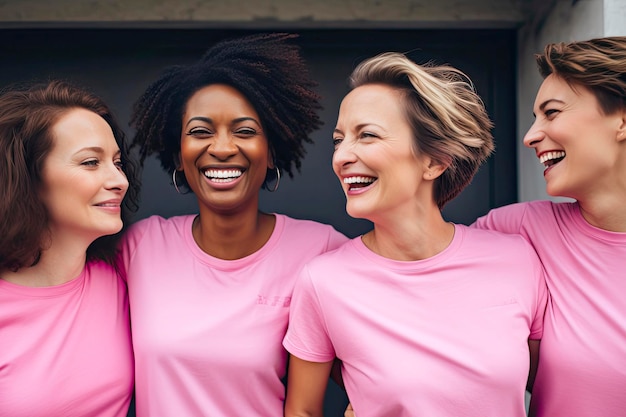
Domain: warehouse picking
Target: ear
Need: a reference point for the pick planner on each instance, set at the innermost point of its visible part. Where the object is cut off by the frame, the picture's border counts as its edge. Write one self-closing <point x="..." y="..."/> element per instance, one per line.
<point x="621" y="131"/>
<point x="178" y="163"/>
<point x="433" y="169"/>
<point x="270" y="159"/>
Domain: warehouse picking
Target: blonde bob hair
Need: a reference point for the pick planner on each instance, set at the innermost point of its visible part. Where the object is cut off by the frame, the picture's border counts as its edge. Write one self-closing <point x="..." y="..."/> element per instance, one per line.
<point x="447" y="117"/>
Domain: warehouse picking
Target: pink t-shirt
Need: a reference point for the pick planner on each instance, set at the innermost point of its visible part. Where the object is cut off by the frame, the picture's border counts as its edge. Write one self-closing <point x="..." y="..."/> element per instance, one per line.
<point x="444" y="336"/>
<point x="207" y="332"/>
<point x="65" y="351"/>
<point x="582" y="366"/>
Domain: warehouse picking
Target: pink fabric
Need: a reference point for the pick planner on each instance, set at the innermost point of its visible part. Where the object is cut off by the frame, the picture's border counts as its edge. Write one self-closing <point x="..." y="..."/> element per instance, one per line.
<point x="207" y="332"/>
<point x="582" y="367"/>
<point x="65" y="351"/>
<point x="445" y="336"/>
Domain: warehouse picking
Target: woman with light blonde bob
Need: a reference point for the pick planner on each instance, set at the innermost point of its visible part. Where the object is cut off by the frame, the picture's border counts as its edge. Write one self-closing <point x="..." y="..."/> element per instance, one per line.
<point x="428" y="317"/>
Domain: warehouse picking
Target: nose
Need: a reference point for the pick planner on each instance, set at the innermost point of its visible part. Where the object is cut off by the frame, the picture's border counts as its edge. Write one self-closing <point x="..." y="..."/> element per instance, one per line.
<point x="116" y="178"/>
<point x="222" y="146"/>
<point x="534" y="135"/>
<point x="343" y="156"/>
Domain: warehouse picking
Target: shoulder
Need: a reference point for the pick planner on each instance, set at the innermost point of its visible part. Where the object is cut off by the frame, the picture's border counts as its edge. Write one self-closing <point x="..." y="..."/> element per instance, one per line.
<point x="497" y="245"/>
<point x="513" y="217"/>
<point x="311" y="231"/>
<point x="476" y="237"/>
<point x="158" y="223"/>
<point x="304" y="224"/>
<point x="332" y="261"/>
<point x="528" y="209"/>
<point x="153" y="230"/>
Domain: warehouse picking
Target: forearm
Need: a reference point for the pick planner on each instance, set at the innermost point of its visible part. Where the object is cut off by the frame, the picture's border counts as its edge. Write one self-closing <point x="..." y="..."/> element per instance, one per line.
<point x="306" y="386"/>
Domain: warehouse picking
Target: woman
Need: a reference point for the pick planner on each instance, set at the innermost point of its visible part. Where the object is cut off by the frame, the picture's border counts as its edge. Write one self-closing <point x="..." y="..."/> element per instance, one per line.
<point x="64" y="325"/>
<point x="579" y="135"/>
<point x="210" y="293"/>
<point x="428" y="318"/>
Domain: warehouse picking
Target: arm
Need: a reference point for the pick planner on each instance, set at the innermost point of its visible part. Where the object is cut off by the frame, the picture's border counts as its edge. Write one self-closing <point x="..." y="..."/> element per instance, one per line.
<point x="306" y="386"/>
<point x="533" y="347"/>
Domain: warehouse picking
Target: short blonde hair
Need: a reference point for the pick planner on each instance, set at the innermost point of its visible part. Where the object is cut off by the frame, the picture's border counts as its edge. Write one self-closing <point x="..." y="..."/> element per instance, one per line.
<point x="447" y="117"/>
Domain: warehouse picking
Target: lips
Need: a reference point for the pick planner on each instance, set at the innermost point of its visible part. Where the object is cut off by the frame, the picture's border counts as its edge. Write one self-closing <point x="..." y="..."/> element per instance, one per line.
<point x="356" y="182"/>
<point x="223" y="175"/>
<point x="551" y="158"/>
<point x="109" y="203"/>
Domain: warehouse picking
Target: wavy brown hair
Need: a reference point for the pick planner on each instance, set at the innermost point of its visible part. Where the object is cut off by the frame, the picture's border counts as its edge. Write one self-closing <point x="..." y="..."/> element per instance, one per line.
<point x="597" y="64"/>
<point x="28" y="113"/>
<point x="266" y="68"/>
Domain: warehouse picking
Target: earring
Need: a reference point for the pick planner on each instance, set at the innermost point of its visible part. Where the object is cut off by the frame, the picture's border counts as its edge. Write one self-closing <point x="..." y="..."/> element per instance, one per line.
<point x="174" y="181"/>
<point x="273" y="189"/>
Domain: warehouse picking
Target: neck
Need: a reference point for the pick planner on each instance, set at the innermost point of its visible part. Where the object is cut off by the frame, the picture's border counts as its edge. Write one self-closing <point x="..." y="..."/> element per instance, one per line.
<point x="410" y="238"/>
<point x="606" y="213"/>
<point x="232" y="236"/>
<point x="55" y="267"/>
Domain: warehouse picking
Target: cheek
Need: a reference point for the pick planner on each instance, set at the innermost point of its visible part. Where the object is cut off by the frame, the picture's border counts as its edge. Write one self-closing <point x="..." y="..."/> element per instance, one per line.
<point x="189" y="151"/>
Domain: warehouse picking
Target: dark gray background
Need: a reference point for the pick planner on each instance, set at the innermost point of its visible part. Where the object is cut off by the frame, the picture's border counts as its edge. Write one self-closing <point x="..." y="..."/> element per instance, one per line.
<point x="119" y="63"/>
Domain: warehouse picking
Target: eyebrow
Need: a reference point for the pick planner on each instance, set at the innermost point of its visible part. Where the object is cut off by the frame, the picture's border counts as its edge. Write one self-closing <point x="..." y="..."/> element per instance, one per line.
<point x="545" y="103"/>
<point x="210" y="121"/>
<point x="359" y="127"/>
<point x="96" y="149"/>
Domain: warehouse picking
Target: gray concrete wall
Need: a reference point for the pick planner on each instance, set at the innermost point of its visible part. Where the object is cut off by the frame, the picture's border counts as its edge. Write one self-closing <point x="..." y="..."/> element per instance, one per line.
<point x="264" y="13"/>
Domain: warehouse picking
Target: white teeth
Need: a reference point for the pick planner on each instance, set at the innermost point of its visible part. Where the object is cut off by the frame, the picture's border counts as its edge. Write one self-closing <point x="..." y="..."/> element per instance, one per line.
<point x="358" y="180"/>
<point x="548" y="156"/>
<point x="223" y="173"/>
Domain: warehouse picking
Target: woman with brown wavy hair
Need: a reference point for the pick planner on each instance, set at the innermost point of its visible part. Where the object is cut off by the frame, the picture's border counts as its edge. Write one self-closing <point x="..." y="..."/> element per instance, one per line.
<point x="68" y="187"/>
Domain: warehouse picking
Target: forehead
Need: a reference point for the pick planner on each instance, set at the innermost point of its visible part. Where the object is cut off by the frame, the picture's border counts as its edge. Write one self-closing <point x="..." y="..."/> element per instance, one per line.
<point x="81" y="127"/>
<point x="218" y="97"/>
<point x="556" y="88"/>
<point x="372" y="100"/>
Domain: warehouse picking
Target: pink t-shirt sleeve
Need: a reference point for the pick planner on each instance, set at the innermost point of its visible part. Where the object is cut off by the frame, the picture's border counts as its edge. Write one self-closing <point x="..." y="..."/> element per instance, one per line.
<point x="536" y="327"/>
<point x="506" y="219"/>
<point x="307" y="336"/>
<point x="129" y="243"/>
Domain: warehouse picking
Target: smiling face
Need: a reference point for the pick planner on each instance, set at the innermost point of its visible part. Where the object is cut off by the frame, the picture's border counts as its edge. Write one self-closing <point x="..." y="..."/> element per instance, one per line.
<point x="224" y="150"/>
<point x="578" y="144"/>
<point x="375" y="158"/>
<point x="82" y="179"/>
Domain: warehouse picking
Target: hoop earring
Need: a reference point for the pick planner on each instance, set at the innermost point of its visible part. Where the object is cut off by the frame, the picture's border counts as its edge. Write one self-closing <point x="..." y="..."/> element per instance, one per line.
<point x="174" y="181"/>
<point x="271" y="190"/>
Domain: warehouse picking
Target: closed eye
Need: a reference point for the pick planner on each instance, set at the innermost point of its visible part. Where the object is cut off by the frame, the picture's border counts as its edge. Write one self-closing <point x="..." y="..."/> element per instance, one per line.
<point x="199" y="132"/>
<point x="550" y="113"/>
<point x="368" y="135"/>
<point x="246" y="132"/>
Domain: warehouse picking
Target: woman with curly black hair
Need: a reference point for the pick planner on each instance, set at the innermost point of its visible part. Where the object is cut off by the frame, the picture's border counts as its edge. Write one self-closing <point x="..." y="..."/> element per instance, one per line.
<point x="210" y="293"/>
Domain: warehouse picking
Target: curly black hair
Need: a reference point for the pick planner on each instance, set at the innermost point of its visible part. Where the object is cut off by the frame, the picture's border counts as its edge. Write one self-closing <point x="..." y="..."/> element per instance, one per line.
<point x="267" y="69"/>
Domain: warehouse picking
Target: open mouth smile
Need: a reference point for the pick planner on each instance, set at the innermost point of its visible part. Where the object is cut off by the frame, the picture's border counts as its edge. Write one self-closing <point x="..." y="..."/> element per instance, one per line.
<point x="355" y="183"/>
<point x="223" y="175"/>
<point x="551" y="158"/>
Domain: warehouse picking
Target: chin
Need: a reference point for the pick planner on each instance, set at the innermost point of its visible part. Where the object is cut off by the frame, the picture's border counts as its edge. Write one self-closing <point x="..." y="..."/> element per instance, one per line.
<point x="357" y="213"/>
<point x="112" y="230"/>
